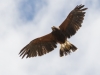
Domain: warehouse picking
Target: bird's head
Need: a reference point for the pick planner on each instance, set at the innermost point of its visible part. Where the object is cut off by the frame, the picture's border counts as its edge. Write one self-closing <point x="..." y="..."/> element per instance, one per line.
<point x="54" y="28"/>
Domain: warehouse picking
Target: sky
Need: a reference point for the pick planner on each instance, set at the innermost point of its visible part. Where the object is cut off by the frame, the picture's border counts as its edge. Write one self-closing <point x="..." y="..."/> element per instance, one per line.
<point x="24" y="20"/>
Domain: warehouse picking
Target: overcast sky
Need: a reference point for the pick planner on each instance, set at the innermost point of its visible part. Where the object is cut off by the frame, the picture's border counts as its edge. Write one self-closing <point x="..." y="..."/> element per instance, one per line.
<point x="24" y="20"/>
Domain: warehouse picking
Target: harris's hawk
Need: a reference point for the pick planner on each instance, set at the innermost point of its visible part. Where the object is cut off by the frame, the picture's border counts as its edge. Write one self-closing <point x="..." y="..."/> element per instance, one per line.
<point x="47" y="43"/>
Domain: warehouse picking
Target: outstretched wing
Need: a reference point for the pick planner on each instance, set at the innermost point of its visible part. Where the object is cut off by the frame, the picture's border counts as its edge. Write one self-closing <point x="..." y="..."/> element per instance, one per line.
<point x="73" y="22"/>
<point x="39" y="46"/>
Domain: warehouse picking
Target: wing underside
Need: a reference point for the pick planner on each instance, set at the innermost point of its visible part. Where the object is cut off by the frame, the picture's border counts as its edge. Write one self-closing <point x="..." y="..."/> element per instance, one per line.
<point x="73" y="22"/>
<point x="39" y="46"/>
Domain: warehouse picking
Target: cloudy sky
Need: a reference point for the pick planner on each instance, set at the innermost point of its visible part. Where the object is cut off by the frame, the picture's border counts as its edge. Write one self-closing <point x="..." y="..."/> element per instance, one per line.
<point x="23" y="20"/>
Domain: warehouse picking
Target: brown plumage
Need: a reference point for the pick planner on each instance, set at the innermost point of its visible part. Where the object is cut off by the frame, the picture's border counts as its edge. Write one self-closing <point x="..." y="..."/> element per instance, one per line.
<point x="47" y="43"/>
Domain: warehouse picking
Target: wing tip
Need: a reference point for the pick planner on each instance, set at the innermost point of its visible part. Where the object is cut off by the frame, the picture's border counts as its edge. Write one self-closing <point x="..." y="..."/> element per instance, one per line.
<point x="80" y="7"/>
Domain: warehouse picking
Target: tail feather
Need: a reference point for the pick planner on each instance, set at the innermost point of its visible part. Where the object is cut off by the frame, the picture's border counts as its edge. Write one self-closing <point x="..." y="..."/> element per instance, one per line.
<point x="67" y="48"/>
<point x="61" y="53"/>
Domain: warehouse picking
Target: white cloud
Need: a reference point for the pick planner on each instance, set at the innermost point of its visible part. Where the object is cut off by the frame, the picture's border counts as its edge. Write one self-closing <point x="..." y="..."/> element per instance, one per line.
<point x="16" y="33"/>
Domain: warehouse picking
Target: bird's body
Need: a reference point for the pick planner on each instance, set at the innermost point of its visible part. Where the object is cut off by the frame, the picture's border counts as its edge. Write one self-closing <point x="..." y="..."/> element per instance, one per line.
<point x="58" y="35"/>
<point x="47" y="43"/>
<point x="61" y="38"/>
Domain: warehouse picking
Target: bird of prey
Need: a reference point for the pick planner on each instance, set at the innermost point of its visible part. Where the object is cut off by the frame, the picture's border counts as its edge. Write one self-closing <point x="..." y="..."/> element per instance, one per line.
<point x="47" y="43"/>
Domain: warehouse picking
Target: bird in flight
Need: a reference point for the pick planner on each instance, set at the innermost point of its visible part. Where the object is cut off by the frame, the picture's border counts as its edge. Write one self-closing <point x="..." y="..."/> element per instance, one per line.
<point x="47" y="43"/>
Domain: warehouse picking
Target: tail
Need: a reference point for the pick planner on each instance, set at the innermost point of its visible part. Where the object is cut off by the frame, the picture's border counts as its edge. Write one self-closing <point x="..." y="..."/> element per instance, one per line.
<point x="67" y="48"/>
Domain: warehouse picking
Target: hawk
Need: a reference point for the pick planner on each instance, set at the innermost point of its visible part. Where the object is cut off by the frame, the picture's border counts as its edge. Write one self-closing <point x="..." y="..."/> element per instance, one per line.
<point x="47" y="43"/>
